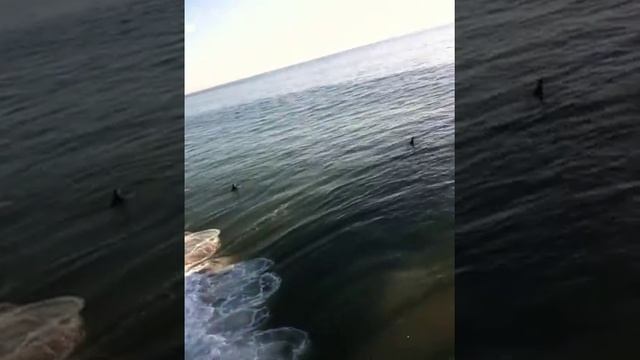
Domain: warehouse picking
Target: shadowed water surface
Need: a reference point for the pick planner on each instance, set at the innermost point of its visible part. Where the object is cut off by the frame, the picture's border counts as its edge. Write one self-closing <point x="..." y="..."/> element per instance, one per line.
<point x="547" y="251"/>
<point x="91" y="101"/>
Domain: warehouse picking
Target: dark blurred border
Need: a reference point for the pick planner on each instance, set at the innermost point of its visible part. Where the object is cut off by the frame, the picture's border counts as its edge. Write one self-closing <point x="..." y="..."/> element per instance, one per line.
<point x="547" y="211"/>
<point x="106" y="78"/>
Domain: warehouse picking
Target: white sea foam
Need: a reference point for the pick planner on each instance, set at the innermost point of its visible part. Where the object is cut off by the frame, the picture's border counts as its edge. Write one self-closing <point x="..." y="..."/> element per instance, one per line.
<point x="226" y="309"/>
<point x="200" y="247"/>
<point x="44" y="330"/>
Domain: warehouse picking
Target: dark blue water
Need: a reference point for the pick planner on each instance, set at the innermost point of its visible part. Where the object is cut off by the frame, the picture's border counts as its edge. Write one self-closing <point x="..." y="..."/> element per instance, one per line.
<point x="547" y="251"/>
<point x="91" y="99"/>
<point x="358" y="224"/>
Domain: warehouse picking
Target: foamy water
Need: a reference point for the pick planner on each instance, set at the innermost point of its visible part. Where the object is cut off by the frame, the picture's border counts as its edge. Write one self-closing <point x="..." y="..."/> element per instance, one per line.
<point x="226" y="307"/>
<point x="44" y="330"/>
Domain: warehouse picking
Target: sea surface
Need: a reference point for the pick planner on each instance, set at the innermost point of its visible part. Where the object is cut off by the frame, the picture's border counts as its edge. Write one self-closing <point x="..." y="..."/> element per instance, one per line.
<point x="343" y="231"/>
<point x="547" y="194"/>
<point x="91" y="99"/>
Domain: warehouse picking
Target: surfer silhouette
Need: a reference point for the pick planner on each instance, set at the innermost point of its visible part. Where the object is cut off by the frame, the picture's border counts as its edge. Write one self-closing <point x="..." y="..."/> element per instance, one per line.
<point x="411" y="142"/>
<point x="116" y="198"/>
<point x="539" y="92"/>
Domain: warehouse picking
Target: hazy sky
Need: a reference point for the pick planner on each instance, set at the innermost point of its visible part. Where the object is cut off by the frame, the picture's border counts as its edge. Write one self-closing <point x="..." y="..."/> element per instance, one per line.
<point x="227" y="40"/>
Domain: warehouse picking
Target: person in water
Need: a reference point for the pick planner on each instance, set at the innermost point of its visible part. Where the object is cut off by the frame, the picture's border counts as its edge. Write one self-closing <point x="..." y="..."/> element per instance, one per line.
<point x="116" y="198"/>
<point x="411" y="142"/>
<point x="234" y="187"/>
<point x="539" y="92"/>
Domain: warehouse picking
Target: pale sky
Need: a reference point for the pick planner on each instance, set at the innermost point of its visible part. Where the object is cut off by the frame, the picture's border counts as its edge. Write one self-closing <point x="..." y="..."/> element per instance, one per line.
<point x="227" y="40"/>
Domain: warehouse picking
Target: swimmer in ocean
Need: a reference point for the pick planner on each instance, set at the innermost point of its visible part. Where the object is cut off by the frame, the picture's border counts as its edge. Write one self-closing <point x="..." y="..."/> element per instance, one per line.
<point x="539" y="92"/>
<point x="116" y="198"/>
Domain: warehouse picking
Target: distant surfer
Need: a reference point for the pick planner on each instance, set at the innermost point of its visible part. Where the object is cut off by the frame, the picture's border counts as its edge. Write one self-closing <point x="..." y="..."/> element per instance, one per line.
<point x="234" y="187"/>
<point x="411" y="142"/>
<point x="116" y="198"/>
<point x="539" y="91"/>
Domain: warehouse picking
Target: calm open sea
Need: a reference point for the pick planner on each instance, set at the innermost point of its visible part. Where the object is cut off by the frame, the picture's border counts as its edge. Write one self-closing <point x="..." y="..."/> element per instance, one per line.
<point x="91" y="100"/>
<point x="547" y="205"/>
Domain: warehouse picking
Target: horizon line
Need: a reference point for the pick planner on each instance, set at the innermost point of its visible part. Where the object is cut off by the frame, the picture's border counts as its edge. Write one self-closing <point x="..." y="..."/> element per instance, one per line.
<point x="312" y="60"/>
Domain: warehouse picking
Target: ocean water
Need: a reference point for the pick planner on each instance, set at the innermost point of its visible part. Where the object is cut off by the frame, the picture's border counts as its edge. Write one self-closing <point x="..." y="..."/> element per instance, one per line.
<point x="547" y="206"/>
<point x="51" y="329"/>
<point x="90" y="100"/>
<point x="353" y="224"/>
<point x="226" y="306"/>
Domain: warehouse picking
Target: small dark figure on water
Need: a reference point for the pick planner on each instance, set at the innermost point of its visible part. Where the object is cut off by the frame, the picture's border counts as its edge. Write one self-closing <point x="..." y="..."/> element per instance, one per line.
<point x="116" y="198"/>
<point x="539" y="92"/>
<point x="411" y="142"/>
<point x="234" y="187"/>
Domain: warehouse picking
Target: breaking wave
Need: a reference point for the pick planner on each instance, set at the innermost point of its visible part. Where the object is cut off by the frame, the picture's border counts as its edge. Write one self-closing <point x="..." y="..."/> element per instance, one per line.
<point x="226" y="307"/>
<point x="45" y="330"/>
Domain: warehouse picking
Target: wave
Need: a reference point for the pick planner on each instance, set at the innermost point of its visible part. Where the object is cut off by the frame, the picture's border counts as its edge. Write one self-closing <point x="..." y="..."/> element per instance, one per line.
<point x="46" y="330"/>
<point x="225" y="307"/>
<point x="225" y="313"/>
<point x="199" y="248"/>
